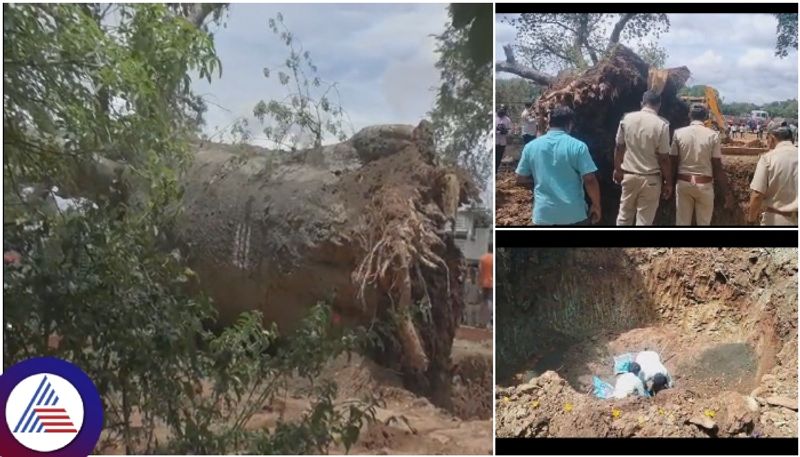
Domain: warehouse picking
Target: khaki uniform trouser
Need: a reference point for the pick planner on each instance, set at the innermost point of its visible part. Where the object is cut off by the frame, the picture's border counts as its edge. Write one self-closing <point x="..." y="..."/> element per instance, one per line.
<point x="778" y="219"/>
<point x="694" y="198"/>
<point x="639" y="200"/>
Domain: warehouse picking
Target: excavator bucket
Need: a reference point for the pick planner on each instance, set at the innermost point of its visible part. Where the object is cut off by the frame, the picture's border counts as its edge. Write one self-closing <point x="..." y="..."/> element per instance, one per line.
<point x="657" y="79"/>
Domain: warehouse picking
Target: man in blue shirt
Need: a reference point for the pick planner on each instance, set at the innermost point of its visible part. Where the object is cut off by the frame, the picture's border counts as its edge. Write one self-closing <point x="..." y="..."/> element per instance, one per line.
<point x="559" y="166"/>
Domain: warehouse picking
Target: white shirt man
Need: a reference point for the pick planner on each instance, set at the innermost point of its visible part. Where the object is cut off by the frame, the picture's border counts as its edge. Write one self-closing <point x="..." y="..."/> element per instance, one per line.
<point x="628" y="384"/>
<point x="650" y="365"/>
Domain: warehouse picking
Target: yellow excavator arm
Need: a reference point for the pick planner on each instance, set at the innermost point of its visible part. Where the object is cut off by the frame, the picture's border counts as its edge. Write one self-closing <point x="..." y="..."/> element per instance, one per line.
<point x="716" y="114"/>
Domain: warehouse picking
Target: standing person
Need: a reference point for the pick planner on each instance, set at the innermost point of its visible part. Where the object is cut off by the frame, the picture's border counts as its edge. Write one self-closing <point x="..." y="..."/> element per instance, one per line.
<point x="486" y="272"/>
<point x="774" y="185"/>
<point x="759" y="130"/>
<point x="502" y="129"/>
<point x="559" y="167"/>
<point x="733" y="130"/>
<point x="528" y="124"/>
<point x="641" y="162"/>
<point x="696" y="157"/>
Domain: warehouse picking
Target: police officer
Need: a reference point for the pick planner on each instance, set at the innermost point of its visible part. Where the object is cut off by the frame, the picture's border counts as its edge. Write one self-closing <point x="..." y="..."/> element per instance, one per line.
<point x="774" y="185"/>
<point x="696" y="158"/>
<point x="641" y="162"/>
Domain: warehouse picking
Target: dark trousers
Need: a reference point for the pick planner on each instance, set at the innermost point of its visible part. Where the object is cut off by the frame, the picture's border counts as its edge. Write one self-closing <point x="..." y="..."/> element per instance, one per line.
<point x="499" y="150"/>
<point x="527" y="138"/>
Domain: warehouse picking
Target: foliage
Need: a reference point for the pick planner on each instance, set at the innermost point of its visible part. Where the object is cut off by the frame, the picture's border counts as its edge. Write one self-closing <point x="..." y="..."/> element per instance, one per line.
<point x="561" y="41"/>
<point x="786" y="108"/>
<point x="462" y="115"/>
<point x="787" y="33"/>
<point x="99" y="276"/>
<point x="477" y="20"/>
<point x="698" y="90"/>
<point x="653" y="54"/>
<point x="514" y="93"/>
<point x="312" y="106"/>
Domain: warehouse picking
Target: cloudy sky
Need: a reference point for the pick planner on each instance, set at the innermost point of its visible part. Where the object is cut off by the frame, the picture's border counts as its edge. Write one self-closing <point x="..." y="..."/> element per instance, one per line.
<point x="735" y="53"/>
<point x="382" y="56"/>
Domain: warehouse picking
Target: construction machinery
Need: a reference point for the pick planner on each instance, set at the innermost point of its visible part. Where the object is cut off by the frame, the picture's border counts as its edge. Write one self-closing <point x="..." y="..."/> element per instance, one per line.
<point x="715" y="118"/>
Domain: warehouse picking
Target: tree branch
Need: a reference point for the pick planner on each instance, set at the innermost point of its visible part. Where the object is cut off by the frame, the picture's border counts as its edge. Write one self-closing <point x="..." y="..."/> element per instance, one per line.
<point x="200" y="11"/>
<point x="510" y="65"/>
<point x="583" y="39"/>
<point x="618" y="27"/>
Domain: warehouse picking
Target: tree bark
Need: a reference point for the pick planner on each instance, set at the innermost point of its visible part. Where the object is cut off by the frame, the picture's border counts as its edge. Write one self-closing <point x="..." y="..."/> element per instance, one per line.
<point x="583" y="39"/>
<point x="618" y="27"/>
<point x="510" y="65"/>
<point x="200" y="11"/>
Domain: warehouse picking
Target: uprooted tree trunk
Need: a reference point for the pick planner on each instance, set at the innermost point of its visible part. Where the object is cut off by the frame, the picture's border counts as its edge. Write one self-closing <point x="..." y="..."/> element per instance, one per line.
<point x="361" y="223"/>
<point x="600" y="97"/>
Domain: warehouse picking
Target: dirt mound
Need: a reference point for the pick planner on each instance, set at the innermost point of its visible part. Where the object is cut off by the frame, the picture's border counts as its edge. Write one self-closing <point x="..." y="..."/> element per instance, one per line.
<point x="359" y="222"/>
<point x="723" y="320"/>
<point x="409" y="424"/>
<point x="756" y="144"/>
<point x="514" y="203"/>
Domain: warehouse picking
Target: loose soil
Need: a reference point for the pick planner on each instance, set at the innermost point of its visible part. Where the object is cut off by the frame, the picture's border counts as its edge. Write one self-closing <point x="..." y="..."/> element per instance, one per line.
<point x="514" y="203"/>
<point x="723" y="320"/>
<point x="408" y="423"/>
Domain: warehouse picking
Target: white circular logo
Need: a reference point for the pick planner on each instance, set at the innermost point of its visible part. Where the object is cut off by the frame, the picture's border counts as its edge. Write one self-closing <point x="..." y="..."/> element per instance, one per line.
<point x="44" y="412"/>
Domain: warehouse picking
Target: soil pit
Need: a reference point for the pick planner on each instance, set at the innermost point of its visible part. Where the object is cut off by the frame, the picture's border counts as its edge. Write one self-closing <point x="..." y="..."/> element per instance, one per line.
<point x="723" y="321"/>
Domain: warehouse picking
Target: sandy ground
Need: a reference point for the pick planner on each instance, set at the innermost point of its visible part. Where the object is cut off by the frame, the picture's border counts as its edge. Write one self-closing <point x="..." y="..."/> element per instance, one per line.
<point x="408" y="424"/>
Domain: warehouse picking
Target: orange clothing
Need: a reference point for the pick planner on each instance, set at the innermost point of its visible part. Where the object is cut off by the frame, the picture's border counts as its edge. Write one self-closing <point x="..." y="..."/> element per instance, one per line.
<point x="486" y="270"/>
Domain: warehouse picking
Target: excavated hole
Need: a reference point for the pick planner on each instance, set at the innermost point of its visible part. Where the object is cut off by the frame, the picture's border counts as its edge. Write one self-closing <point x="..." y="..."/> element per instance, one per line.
<point x="723" y="321"/>
<point x="603" y="304"/>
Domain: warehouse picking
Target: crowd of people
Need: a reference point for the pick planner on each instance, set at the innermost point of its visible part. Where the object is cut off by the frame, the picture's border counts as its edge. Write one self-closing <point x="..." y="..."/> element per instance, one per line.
<point x="649" y="166"/>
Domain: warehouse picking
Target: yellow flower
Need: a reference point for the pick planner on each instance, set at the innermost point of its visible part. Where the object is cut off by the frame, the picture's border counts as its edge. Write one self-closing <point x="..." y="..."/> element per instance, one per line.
<point x="535" y="404"/>
<point x="710" y="413"/>
<point x="642" y="419"/>
<point x="567" y="407"/>
<point x="661" y="411"/>
<point x="615" y="413"/>
<point x="506" y="399"/>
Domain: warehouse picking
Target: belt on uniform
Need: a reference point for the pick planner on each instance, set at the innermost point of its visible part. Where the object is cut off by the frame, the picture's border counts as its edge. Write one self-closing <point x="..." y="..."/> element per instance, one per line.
<point x="641" y="174"/>
<point x="695" y="179"/>
<point x="782" y="213"/>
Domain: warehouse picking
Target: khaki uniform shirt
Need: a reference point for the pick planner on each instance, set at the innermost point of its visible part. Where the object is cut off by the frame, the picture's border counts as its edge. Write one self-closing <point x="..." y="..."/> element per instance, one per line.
<point x="644" y="134"/>
<point x="776" y="177"/>
<point x="695" y="146"/>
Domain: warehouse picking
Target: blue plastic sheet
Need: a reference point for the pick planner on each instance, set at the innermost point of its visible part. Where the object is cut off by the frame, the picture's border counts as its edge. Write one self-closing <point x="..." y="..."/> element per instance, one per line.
<point x="622" y="361"/>
<point x="602" y="389"/>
